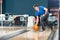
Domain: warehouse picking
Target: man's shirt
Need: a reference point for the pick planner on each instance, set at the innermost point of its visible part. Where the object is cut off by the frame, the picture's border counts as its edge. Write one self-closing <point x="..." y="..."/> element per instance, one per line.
<point x="41" y="11"/>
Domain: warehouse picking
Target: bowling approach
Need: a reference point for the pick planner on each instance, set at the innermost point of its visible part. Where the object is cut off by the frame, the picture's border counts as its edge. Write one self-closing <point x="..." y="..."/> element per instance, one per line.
<point x="23" y="34"/>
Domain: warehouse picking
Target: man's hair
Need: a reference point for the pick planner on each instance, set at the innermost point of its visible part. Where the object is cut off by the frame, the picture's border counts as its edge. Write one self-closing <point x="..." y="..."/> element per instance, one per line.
<point x="35" y="5"/>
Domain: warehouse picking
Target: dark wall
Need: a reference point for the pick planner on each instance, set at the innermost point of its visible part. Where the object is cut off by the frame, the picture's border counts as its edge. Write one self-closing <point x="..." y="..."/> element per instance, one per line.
<point x="3" y="6"/>
<point x="53" y="4"/>
<point x="18" y="7"/>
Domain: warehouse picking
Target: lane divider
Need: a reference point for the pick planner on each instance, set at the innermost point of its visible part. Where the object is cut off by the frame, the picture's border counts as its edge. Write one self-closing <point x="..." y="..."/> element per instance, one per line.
<point x="52" y="35"/>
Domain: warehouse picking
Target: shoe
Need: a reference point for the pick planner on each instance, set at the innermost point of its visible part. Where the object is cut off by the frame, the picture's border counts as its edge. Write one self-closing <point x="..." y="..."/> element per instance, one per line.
<point x="43" y="31"/>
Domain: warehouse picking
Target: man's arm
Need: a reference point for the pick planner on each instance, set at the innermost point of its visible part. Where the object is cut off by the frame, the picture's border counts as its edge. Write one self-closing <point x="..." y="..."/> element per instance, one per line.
<point x="37" y="20"/>
<point x="46" y="10"/>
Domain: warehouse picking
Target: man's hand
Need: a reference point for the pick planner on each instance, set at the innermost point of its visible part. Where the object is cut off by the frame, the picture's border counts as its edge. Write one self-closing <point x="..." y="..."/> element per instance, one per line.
<point x="43" y="14"/>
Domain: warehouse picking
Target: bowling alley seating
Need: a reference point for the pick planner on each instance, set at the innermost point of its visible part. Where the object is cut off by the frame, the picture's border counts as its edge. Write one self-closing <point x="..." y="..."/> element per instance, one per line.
<point x="9" y="18"/>
<point x="2" y="17"/>
<point x="6" y="19"/>
<point x="17" y="21"/>
<point x="21" y="20"/>
<point x="52" y="20"/>
<point x="30" y="21"/>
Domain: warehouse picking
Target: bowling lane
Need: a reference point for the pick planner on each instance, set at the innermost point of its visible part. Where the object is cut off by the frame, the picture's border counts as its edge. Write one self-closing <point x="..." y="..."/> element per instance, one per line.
<point x="22" y="33"/>
<point x="6" y="33"/>
<point x="5" y="30"/>
<point x="12" y="34"/>
<point x="31" y="35"/>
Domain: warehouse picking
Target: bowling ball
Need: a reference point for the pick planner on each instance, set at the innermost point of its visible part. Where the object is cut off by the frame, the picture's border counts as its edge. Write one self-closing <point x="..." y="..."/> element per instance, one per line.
<point x="35" y="27"/>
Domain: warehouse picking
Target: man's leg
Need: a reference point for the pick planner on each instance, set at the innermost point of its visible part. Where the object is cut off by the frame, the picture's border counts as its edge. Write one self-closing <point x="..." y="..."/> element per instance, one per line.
<point x="43" y="19"/>
<point x="42" y="23"/>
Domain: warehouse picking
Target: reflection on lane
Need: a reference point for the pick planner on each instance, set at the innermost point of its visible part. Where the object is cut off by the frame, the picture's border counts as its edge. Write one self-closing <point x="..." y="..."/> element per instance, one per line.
<point x="36" y="36"/>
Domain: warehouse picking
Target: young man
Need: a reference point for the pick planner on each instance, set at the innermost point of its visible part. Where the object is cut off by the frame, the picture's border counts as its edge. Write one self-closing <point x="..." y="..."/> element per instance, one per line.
<point x="41" y="11"/>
